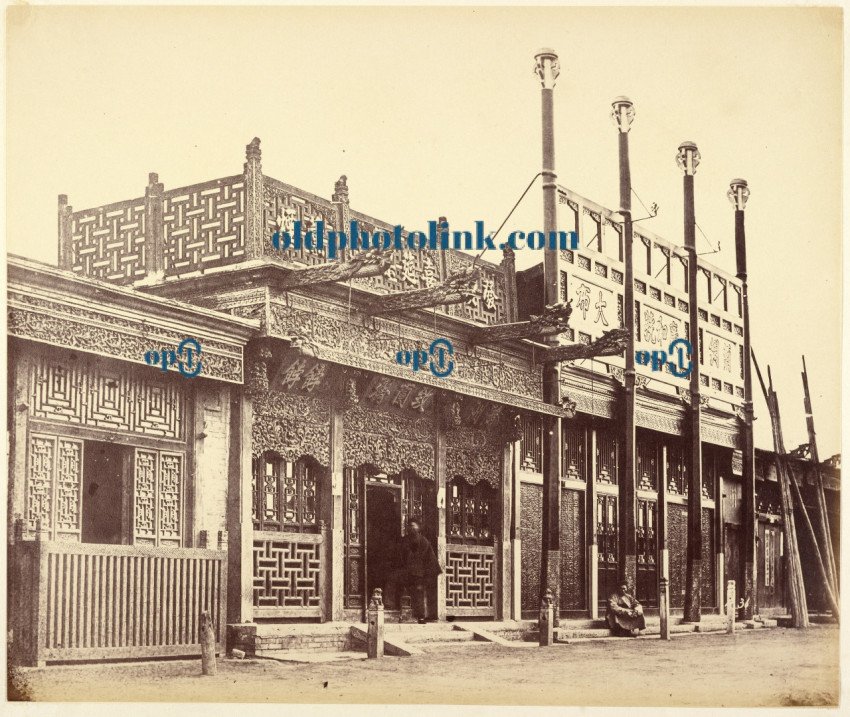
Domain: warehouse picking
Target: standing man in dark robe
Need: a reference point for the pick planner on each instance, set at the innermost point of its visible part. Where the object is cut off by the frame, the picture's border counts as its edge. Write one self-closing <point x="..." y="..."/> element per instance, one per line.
<point x="625" y="613"/>
<point x="418" y="566"/>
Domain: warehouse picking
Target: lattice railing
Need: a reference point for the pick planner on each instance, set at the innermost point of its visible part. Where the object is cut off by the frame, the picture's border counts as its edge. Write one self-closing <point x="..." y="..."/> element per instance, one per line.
<point x="470" y="577"/>
<point x="289" y="574"/>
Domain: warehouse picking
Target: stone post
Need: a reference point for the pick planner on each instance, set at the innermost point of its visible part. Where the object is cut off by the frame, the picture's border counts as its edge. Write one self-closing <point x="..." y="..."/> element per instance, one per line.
<point x="730" y="607"/>
<point x="664" y="607"/>
<point x="207" y="635"/>
<point x="375" y="626"/>
<point x="547" y="619"/>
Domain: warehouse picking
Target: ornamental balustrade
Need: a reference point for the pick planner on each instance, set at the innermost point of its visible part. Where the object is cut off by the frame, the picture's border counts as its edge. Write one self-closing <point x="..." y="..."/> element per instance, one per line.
<point x="592" y="278"/>
<point x="227" y="221"/>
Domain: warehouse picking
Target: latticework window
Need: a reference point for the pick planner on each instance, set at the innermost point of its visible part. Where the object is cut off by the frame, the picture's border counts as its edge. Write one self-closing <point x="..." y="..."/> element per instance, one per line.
<point x="285" y="494"/>
<point x="471" y="512"/>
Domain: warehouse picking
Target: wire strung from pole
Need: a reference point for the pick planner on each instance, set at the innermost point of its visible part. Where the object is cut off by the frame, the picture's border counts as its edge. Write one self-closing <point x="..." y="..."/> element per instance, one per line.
<point x="646" y="208"/>
<point x="707" y="241"/>
<point x="496" y="233"/>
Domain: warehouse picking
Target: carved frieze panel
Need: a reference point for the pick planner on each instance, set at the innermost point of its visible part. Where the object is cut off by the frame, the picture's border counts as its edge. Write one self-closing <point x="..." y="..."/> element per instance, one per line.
<point x="473" y="454"/>
<point x="120" y="336"/>
<point x="374" y="348"/>
<point x="390" y="441"/>
<point x="292" y="425"/>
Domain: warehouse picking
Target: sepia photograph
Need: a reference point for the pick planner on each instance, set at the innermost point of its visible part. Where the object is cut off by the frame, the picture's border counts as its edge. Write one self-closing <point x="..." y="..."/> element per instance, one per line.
<point x="423" y="355"/>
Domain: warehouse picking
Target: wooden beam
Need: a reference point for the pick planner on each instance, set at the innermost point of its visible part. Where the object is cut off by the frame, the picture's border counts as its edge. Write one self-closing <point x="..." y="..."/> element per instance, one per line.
<point x="611" y="343"/>
<point x="553" y="321"/>
<point x="454" y="290"/>
<point x="360" y="265"/>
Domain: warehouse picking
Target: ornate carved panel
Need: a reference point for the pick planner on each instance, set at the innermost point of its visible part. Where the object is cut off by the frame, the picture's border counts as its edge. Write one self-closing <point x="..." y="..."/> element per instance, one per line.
<point x="204" y="225"/>
<point x="573" y="590"/>
<point x="647" y="550"/>
<point x="471" y="453"/>
<point x="677" y="540"/>
<point x="286" y="576"/>
<point x="531" y="531"/>
<point x="108" y="242"/>
<point x="282" y="208"/>
<point x="375" y="437"/>
<point x="98" y="396"/>
<point x="292" y="425"/>
<point x="469" y="580"/>
<point x="158" y="497"/>
<point x="608" y="539"/>
<point x="54" y="485"/>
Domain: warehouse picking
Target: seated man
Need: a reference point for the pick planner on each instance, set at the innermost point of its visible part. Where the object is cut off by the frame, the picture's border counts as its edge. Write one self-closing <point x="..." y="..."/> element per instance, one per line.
<point x="418" y="565"/>
<point x="625" y="613"/>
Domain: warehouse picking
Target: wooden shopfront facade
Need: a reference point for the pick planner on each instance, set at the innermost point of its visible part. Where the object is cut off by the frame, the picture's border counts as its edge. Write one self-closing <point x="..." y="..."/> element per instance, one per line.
<point x="116" y="499"/>
<point x="297" y="474"/>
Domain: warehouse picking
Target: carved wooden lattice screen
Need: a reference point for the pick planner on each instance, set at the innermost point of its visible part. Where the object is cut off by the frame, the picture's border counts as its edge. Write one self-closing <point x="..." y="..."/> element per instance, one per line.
<point x="647" y="550"/>
<point x="608" y="535"/>
<point x="54" y="485"/>
<point x="470" y="554"/>
<point x="354" y="548"/>
<point x="158" y="497"/>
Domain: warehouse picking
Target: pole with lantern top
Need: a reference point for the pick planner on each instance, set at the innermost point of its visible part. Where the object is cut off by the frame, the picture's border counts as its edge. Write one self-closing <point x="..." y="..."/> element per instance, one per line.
<point x="688" y="158"/>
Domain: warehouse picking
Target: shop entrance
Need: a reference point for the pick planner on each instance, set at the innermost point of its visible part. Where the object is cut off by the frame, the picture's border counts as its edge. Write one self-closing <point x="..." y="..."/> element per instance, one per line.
<point x="383" y="531"/>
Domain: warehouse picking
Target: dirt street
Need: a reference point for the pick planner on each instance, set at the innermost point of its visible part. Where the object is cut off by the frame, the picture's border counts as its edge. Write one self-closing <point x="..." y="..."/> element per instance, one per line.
<point x="761" y="668"/>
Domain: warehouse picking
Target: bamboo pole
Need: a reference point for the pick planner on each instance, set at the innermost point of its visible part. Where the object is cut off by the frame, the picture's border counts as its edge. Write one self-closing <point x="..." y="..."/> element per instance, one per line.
<point x="819" y="557"/>
<point x="823" y="523"/>
<point x="799" y="609"/>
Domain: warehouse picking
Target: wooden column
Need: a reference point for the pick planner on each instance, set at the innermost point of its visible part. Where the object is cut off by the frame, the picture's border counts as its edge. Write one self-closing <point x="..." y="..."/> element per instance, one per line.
<point x="503" y="546"/>
<point x="154" y="234"/>
<point x="663" y="552"/>
<point x="337" y="552"/>
<point x="516" y="534"/>
<point x="195" y="488"/>
<point x="440" y="475"/>
<point x="240" y="525"/>
<point x="66" y="254"/>
<point x="254" y="210"/>
<point x="19" y="366"/>
<point x="550" y="555"/>
<point x="592" y="540"/>
<point x="688" y="159"/>
<point x="719" y="543"/>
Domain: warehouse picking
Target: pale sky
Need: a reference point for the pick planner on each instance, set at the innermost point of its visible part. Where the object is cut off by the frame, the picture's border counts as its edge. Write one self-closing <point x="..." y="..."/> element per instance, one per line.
<point x="435" y="111"/>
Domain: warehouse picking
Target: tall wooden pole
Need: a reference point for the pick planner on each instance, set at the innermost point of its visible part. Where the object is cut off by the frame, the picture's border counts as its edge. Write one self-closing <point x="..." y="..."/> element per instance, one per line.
<point x="548" y="69"/>
<point x="738" y="194"/>
<point x="799" y="608"/>
<point x="688" y="159"/>
<point x="823" y="523"/>
<point x="623" y="113"/>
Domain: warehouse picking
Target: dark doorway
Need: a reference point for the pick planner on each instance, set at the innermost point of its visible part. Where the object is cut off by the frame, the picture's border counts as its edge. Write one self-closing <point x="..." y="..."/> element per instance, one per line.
<point x="383" y="532"/>
<point x="102" y="495"/>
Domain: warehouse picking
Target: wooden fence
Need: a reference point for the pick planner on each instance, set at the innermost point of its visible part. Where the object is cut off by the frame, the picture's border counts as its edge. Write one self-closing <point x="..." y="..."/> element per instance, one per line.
<point x="79" y="601"/>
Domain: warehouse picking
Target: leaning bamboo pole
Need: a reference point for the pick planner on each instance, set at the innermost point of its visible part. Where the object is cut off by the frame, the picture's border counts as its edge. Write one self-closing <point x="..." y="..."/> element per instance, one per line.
<point x="799" y="608"/>
<point x="823" y="523"/>
<point x="819" y="561"/>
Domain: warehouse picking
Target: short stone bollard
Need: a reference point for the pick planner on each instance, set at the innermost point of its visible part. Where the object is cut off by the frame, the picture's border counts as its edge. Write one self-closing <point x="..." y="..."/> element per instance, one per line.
<point x="730" y="607"/>
<point x="547" y="619"/>
<point x="207" y="635"/>
<point x="375" y="626"/>
<point x="664" y="607"/>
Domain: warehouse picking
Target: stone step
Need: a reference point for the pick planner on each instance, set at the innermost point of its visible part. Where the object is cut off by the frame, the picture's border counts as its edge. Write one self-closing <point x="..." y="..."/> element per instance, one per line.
<point x="438" y="636"/>
<point x="310" y="656"/>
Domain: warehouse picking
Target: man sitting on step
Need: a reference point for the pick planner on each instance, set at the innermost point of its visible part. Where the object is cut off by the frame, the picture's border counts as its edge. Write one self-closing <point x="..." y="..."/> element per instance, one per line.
<point x="418" y="566"/>
<point x="625" y="613"/>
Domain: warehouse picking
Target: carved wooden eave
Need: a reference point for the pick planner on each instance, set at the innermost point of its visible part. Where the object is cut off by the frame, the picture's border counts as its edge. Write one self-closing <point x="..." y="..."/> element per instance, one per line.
<point x="455" y="289"/>
<point x="611" y="343"/>
<point x="59" y="308"/>
<point x="553" y="321"/>
<point x="360" y="265"/>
